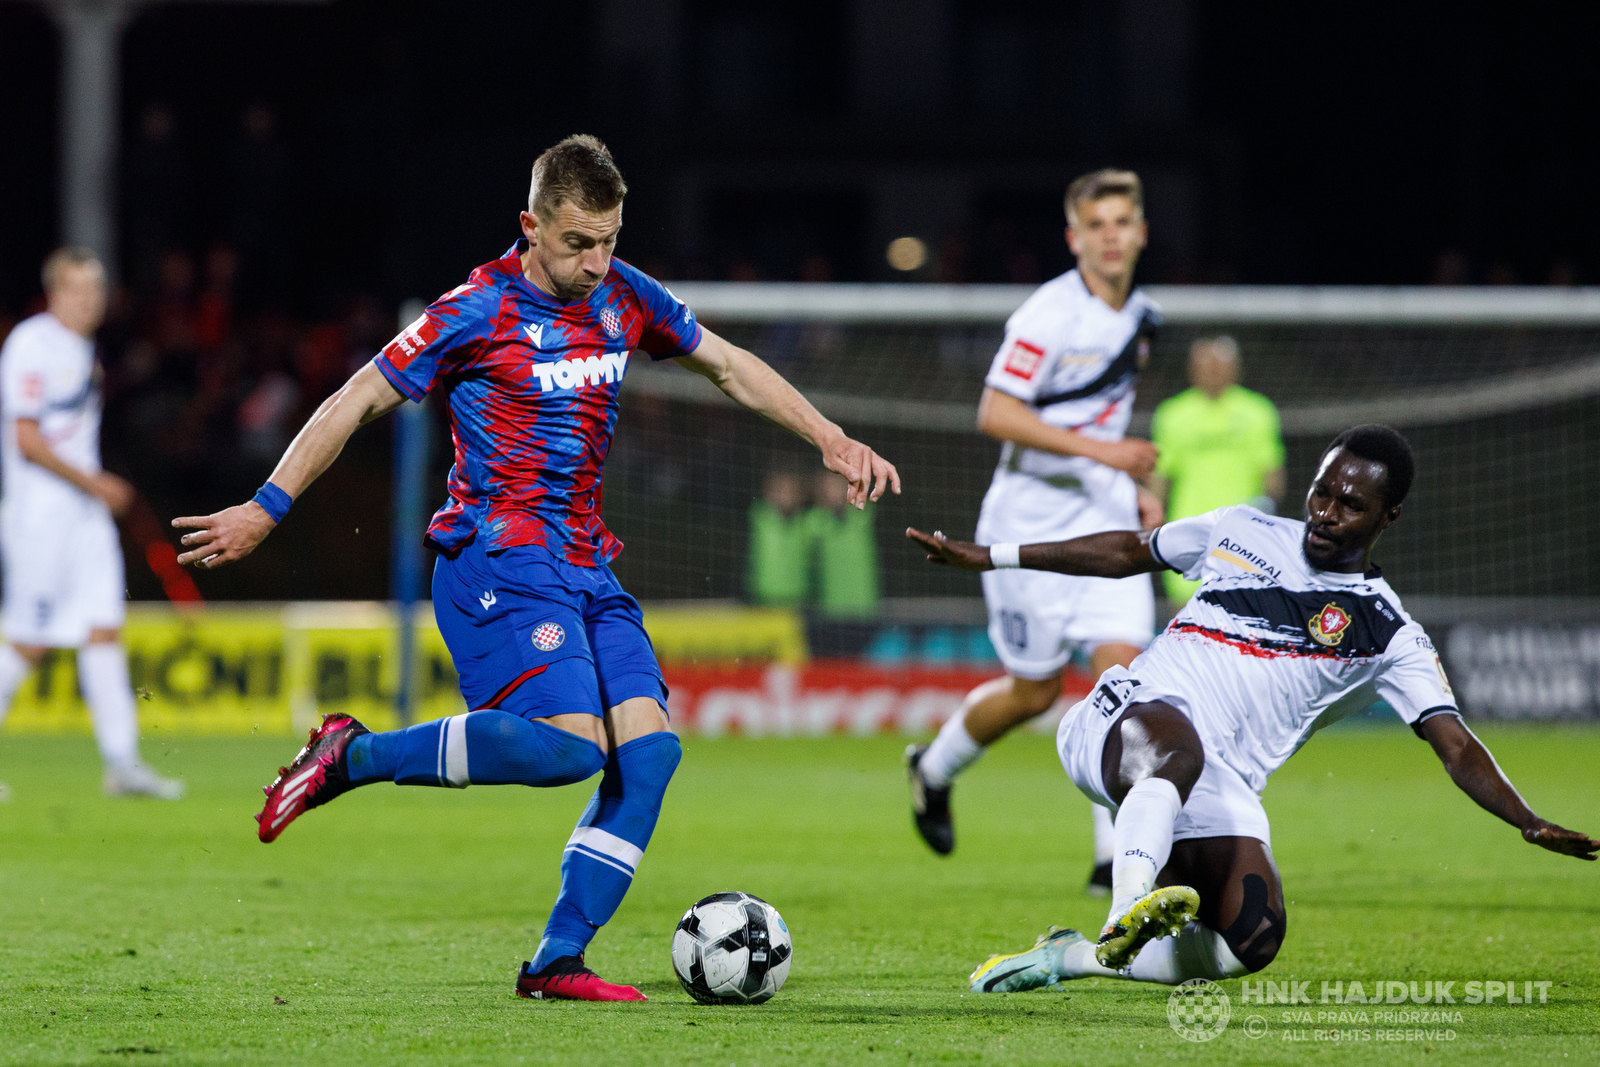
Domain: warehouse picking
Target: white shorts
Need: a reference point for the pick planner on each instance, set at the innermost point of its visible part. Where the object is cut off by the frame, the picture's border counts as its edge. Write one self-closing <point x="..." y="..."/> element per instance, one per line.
<point x="61" y="581"/>
<point x="1221" y="804"/>
<point x="1037" y="618"/>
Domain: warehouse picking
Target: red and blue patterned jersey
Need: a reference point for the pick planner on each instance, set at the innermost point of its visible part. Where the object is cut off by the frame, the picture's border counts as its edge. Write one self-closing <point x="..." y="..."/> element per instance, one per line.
<point x="534" y="386"/>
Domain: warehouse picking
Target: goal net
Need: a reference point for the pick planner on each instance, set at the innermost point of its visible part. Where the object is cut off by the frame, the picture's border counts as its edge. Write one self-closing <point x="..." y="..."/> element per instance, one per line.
<point x="1498" y="391"/>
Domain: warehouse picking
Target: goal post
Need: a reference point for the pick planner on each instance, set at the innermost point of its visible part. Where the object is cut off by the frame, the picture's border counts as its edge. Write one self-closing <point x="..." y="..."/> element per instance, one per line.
<point x="1497" y="389"/>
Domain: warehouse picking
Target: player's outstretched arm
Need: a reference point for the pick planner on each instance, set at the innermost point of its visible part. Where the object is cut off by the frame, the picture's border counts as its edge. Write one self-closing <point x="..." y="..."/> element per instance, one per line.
<point x="1474" y="770"/>
<point x="1115" y="554"/>
<point x="758" y="387"/>
<point x="234" y="533"/>
<point x="1005" y="418"/>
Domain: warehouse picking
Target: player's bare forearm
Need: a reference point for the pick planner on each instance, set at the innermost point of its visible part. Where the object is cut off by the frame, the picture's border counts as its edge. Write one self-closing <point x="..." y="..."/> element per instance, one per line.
<point x="1152" y="511"/>
<point x="36" y="450"/>
<point x="1005" y="418"/>
<point x="1114" y="554"/>
<point x="366" y="396"/>
<point x="1475" y="772"/>
<point x="752" y="383"/>
<point x="749" y="381"/>
<point x="233" y="533"/>
<point x="116" y="493"/>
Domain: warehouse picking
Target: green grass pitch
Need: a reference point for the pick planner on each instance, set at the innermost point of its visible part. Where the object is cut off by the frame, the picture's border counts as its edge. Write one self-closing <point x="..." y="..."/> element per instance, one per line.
<point x="387" y="927"/>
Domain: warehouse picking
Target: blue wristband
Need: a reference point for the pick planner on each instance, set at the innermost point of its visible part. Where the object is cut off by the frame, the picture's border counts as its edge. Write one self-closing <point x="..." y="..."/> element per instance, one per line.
<point x="273" y="501"/>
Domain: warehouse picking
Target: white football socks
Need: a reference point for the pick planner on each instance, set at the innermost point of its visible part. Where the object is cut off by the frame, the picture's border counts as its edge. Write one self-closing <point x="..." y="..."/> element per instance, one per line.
<point x="952" y="751"/>
<point x="1196" y="952"/>
<point x="1143" y="840"/>
<point x="1105" y="837"/>
<point x="13" y="669"/>
<point x="103" y="675"/>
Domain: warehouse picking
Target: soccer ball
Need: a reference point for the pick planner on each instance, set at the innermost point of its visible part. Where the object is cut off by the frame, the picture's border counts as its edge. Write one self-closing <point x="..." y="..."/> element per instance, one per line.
<point x="731" y="948"/>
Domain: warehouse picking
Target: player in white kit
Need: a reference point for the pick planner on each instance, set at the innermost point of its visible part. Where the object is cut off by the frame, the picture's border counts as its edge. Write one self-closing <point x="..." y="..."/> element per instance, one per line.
<point x="58" y="544"/>
<point x="1292" y="629"/>
<point x="1059" y="394"/>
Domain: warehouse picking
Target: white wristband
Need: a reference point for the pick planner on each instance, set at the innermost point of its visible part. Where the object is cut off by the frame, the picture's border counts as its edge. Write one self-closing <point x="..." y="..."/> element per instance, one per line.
<point x="1004" y="557"/>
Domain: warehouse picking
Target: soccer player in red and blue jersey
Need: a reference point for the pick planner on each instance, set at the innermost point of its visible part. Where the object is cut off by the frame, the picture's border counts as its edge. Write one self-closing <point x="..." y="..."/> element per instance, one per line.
<point x="554" y="661"/>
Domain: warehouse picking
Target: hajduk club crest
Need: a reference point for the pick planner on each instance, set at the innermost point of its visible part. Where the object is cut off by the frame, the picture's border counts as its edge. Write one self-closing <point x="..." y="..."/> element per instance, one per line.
<point x="611" y="322"/>
<point x="547" y="636"/>
<point x="1329" y="624"/>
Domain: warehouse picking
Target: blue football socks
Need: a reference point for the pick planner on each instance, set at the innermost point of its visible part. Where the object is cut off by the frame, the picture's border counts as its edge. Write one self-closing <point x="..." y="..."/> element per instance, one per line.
<point x="480" y="747"/>
<point x="608" y="844"/>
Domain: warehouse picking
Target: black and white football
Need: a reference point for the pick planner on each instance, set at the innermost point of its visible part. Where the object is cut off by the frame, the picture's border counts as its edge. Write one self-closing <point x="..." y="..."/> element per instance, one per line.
<point x="732" y="948"/>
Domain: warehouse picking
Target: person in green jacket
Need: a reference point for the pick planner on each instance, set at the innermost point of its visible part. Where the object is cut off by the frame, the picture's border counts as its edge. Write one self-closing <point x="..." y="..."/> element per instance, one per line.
<point x="780" y="543"/>
<point x="1220" y="444"/>
<point x="847" y="552"/>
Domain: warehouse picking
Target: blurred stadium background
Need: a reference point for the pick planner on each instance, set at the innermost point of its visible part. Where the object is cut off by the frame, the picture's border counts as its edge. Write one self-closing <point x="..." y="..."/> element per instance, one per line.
<point x="274" y="181"/>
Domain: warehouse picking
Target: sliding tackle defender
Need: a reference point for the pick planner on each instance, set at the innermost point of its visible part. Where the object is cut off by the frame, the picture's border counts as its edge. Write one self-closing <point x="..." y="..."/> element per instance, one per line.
<point x="1291" y="629"/>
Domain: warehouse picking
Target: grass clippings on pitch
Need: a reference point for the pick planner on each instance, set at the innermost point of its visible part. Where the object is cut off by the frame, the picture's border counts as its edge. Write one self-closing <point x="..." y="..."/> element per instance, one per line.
<point x="387" y="927"/>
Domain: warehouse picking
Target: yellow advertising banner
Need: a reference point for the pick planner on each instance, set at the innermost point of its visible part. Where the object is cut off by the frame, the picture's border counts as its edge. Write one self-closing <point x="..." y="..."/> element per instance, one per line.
<point x="268" y="669"/>
<point x="277" y="668"/>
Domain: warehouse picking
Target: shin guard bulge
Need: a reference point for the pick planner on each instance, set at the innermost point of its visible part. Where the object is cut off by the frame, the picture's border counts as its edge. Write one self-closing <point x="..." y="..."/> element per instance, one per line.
<point x="1143" y="840"/>
<point x="605" y="849"/>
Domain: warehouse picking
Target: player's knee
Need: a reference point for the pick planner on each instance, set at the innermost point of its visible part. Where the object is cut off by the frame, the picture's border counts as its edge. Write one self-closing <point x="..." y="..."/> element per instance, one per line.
<point x="562" y="757"/>
<point x="1167" y="742"/>
<point x="1255" y="958"/>
<point x="640" y="771"/>
<point x="585" y="762"/>
<point x="1031" y="697"/>
<point x="655" y="755"/>
<point x="1256" y="935"/>
<point x="1182" y="766"/>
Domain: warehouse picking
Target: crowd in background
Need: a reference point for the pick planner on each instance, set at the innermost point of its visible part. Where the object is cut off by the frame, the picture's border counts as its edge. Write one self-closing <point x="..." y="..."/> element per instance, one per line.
<point x="198" y="382"/>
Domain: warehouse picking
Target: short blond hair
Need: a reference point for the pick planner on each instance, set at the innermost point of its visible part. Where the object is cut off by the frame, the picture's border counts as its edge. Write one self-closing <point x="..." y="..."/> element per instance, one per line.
<point x="579" y="169"/>
<point x="62" y="258"/>
<point x="1100" y="184"/>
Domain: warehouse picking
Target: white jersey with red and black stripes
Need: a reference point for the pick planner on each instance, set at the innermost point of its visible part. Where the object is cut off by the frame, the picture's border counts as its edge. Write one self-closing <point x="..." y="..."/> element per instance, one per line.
<point x="1075" y="360"/>
<point x="1270" y="650"/>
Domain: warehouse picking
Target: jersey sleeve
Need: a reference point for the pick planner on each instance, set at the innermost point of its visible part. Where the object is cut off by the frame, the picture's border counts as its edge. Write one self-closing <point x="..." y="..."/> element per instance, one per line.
<point x="1412" y="679"/>
<point x="670" y="328"/>
<point x="24" y="381"/>
<point x="440" y="340"/>
<point x="1181" y="544"/>
<point x="1022" y="364"/>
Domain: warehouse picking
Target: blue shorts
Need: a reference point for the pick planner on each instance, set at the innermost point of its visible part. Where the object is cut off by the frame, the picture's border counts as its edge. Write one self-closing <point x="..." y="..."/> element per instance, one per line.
<point x="533" y="635"/>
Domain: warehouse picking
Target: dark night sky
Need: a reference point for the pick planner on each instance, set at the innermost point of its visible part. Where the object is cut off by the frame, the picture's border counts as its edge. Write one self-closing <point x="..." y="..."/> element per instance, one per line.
<point x="1321" y="145"/>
